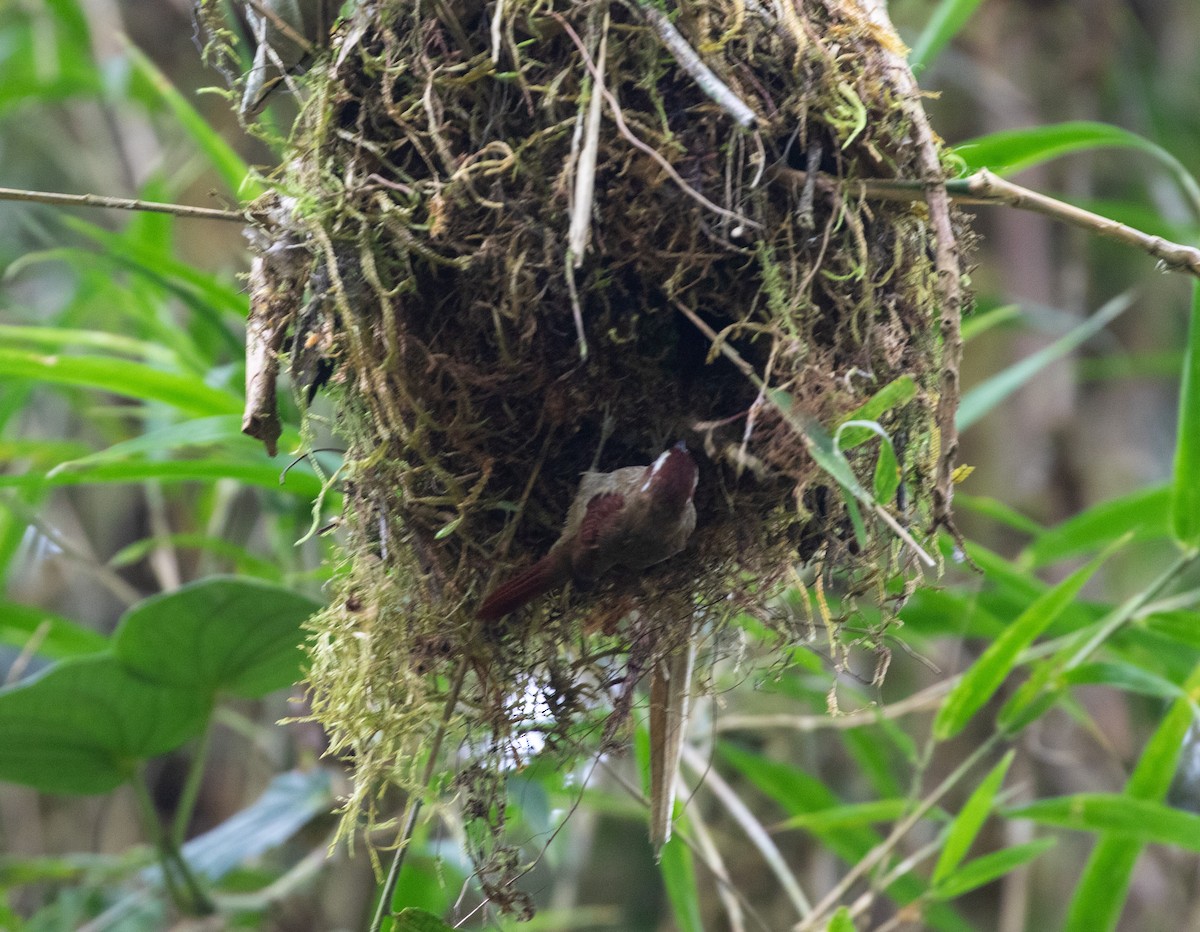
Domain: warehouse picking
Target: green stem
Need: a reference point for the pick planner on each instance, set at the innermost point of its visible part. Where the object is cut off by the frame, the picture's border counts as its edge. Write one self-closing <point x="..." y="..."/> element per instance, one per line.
<point x="413" y="807"/>
<point x="192" y="899"/>
<point x="191" y="787"/>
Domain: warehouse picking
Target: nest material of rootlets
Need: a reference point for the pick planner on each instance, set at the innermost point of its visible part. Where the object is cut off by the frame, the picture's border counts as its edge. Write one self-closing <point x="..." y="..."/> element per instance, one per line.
<point x="724" y="298"/>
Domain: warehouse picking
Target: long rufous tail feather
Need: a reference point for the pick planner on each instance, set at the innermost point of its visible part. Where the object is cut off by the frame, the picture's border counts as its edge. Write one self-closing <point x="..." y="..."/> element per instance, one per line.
<point x="526" y="586"/>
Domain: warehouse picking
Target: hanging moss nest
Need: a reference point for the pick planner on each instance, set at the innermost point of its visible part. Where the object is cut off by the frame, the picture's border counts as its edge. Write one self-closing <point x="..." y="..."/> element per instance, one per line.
<point x="734" y="290"/>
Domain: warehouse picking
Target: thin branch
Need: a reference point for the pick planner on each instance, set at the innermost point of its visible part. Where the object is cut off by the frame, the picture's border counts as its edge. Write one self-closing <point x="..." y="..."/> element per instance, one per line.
<point x="927" y="698"/>
<point x="121" y="203"/>
<point x="688" y="59"/>
<point x="413" y="807"/>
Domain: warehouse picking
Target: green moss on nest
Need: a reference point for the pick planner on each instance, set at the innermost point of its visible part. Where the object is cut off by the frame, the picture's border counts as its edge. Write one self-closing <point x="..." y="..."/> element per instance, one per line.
<point x="432" y="180"/>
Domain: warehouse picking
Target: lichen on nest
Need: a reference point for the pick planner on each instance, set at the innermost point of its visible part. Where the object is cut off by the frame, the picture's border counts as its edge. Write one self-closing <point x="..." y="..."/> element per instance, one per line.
<point x="480" y="366"/>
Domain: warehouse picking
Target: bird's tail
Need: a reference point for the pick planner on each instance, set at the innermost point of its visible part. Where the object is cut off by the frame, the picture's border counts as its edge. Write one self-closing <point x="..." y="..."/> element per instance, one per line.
<point x="549" y="572"/>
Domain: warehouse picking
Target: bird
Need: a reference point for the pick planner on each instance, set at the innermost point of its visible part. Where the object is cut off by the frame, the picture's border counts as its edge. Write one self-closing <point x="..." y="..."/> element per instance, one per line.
<point x="632" y="517"/>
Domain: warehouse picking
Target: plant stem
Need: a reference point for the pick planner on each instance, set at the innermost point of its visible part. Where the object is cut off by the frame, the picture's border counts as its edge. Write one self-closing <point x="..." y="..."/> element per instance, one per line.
<point x="191" y="787"/>
<point x="175" y="868"/>
<point x="412" y="808"/>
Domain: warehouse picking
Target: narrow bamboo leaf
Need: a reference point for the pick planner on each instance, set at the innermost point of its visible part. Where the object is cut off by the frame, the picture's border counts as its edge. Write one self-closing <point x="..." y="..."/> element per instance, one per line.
<point x="945" y="23"/>
<point x="1124" y="676"/>
<point x="980" y="323"/>
<point x="1144" y="820"/>
<point x="984" y="870"/>
<point x="1010" y="151"/>
<point x="898" y="392"/>
<point x="223" y="430"/>
<point x="1185" y="481"/>
<point x="1144" y="513"/>
<point x="992" y="391"/>
<point x="982" y="680"/>
<point x="679" y="877"/>
<point x="998" y="511"/>
<point x="855" y="814"/>
<point x="121" y="377"/>
<point x="298" y="482"/>
<point x="966" y="825"/>
<point x="1103" y="887"/>
<point x="239" y="557"/>
<point x="1182" y="626"/>
<point x="57" y="637"/>
<point x="52" y="339"/>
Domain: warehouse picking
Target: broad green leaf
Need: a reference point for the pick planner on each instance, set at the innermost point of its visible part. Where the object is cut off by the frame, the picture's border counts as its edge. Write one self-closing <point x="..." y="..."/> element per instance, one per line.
<point x="1144" y="820"/>
<point x="945" y="23"/>
<point x="1010" y="151"/>
<point x="1101" y="893"/>
<point x="121" y="377"/>
<point x="1145" y="513"/>
<point x="83" y="725"/>
<point x="983" y="870"/>
<point x="56" y="637"/>
<point x="887" y="473"/>
<point x="219" y="634"/>
<point x="1185" y="481"/>
<point x="989" y="393"/>
<point x="981" y="681"/>
<point x="966" y="825"/>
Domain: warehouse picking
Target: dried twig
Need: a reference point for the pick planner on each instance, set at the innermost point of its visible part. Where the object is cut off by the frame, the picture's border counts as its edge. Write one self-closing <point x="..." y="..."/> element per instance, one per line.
<point x="120" y="203"/>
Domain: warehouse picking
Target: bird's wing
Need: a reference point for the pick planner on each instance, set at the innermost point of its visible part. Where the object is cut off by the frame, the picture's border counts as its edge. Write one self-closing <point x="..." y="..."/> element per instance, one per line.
<point x="600" y="525"/>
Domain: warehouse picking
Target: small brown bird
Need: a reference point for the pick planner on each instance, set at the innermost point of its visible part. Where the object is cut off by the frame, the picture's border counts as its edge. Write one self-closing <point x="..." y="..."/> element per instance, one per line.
<point x="632" y="517"/>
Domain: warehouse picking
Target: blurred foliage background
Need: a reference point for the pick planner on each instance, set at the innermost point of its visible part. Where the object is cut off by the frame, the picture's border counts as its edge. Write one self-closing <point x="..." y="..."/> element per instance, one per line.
<point x="125" y="476"/>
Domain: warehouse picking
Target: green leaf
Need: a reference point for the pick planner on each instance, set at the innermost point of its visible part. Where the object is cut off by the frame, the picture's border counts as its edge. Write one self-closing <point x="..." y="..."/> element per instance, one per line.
<point x="945" y="23"/>
<point x="299" y="482"/>
<point x="1124" y="676"/>
<point x="993" y="866"/>
<point x="984" y="677"/>
<point x="841" y="921"/>
<point x="417" y="920"/>
<point x="1142" y="514"/>
<point x="679" y="877"/>
<point x="222" y="430"/>
<point x="966" y="825"/>
<point x="51" y="339"/>
<point x="854" y="814"/>
<point x="56" y="637"/>
<point x="1181" y="625"/>
<point x="121" y="377"/>
<point x="1100" y="895"/>
<point x="83" y="725"/>
<point x="1010" y="151"/>
<point x="219" y="634"/>
<point x="1144" y="820"/>
<point x="992" y="391"/>
<point x="980" y="323"/>
<point x="899" y="391"/>
<point x="1185" y="481"/>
